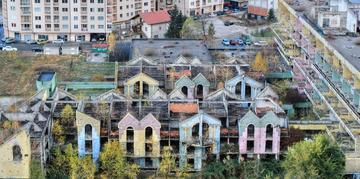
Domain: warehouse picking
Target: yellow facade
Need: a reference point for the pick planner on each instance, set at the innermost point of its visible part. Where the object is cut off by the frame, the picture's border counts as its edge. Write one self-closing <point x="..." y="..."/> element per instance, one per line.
<point x="15" y="169"/>
<point x="83" y="119"/>
<point x="139" y="143"/>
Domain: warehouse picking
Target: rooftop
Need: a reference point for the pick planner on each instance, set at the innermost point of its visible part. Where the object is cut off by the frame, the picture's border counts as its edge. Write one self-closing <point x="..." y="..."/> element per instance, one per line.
<point x="348" y="48"/>
<point x="156" y="17"/>
<point x="167" y="51"/>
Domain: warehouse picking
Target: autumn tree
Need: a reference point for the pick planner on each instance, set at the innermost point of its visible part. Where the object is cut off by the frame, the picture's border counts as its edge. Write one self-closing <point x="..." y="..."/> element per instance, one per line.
<point x="86" y="168"/>
<point x="167" y="164"/>
<point x="113" y="162"/>
<point x="260" y="64"/>
<point x="67" y="115"/>
<point x="111" y="41"/>
<point x="190" y="29"/>
<point x="57" y="132"/>
<point x="318" y="158"/>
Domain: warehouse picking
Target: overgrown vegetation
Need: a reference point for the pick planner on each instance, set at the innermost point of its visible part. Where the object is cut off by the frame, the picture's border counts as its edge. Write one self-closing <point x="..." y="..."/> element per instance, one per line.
<point x="19" y="72"/>
<point x="175" y="26"/>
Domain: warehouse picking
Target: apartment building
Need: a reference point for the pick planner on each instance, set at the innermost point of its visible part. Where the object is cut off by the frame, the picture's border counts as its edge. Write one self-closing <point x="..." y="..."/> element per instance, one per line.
<point x="261" y="8"/>
<point x="199" y="7"/>
<point x="71" y="20"/>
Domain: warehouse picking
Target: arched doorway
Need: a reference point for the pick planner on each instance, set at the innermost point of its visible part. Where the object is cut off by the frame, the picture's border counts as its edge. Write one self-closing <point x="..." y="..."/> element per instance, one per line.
<point x="251" y="130"/>
<point x="269" y="131"/>
<point x="137" y="88"/>
<point x="88" y="138"/>
<point x="130" y="140"/>
<point x="199" y="91"/>
<point x="145" y="89"/>
<point x="195" y="131"/>
<point x="238" y="88"/>
<point x="247" y="91"/>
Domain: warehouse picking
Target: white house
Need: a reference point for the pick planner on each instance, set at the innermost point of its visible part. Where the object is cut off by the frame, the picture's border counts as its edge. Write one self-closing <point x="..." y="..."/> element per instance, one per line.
<point x="155" y="24"/>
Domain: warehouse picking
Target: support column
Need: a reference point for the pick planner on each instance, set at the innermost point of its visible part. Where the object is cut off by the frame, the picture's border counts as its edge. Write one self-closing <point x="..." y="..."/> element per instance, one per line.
<point x="346" y="73"/>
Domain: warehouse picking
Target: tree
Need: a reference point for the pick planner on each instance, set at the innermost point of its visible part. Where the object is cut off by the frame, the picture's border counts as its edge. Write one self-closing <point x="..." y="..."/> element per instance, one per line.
<point x="36" y="171"/>
<point x="318" y="158"/>
<point x="176" y="23"/>
<point x="57" y="131"/>
<point x="111" y="41"/>
<point x="167" y="164"/>
<point x="211" y="32"/>
<point x="113" y="163"/>
<point x="86" y="168"/>
<point x="271" y="16"/>
<point x="260" y="64"/>
<point x="190" y="29"/>
<point x="67" y="115"/>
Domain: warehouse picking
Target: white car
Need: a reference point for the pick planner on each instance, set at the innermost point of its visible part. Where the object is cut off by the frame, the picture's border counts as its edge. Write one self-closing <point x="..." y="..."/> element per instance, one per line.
<point x="261" y="43"/>
<point x="58" y="41"/>
<point x="9" y="48"/>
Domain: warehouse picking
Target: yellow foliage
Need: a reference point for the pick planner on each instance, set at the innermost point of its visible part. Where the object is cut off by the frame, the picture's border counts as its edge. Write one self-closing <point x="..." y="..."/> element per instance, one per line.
<point x="260" y="64"/>
<point x="111" y="41"/>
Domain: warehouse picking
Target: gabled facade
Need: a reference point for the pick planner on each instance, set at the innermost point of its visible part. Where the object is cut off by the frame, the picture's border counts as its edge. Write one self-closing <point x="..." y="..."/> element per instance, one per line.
<point x="141" y="139"/>
<point x="88" y="138"/>
<point x="186" y="85"/>
<point x="141" y="85"/>
<point x="259" y="135"/>
<point x="15" y="156"/>
<point x="243" y="86"/>
<point x="202" y="86"/>
<point x="198" y="134"/>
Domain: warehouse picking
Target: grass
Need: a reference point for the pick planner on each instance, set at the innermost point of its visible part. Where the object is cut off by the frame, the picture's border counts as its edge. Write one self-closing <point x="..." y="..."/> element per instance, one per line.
<point x="18" y="73"/>
<point x="264" y="33"/>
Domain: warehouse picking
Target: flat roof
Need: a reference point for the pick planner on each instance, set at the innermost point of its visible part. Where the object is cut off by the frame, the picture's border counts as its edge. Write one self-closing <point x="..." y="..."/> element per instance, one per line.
<point x="166" y="51"/>
<point x="347" y="47"/>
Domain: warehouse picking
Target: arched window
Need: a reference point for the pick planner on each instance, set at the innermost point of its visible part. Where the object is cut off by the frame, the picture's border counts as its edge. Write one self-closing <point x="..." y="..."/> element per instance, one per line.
<point x="145" y="89"/>
<point x="195" y="130"/>
<point x="238" y="88"/>
<point x="17" y="155"/>
<point x="184" y="90"/>
<point x="129" y="134"/>
<point x="148" y="133"/>
<point x="251" y="130"/>
<point x="247" y="91"/>
<point x="88" y="131"/>
<point x="199" y="91"/>
<point x="269" y="130"/>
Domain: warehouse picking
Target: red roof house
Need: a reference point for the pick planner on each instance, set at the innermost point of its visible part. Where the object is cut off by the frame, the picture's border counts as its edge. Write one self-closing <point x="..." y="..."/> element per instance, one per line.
<point x="156" y="17"/>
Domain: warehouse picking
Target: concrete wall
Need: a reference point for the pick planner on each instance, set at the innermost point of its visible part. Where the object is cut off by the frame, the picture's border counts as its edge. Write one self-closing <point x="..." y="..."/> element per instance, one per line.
<point x="15" y="169"/>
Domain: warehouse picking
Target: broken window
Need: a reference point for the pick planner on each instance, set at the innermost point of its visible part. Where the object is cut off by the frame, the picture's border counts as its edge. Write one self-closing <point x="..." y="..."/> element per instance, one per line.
<point x="129" y="134"/>
<point x="17" y="155"/>
<point x="195" y="131"/>
<point x="148" y="133"/>
<point x="137" y="88"/>
<point x="145" y="89"/>
<point x="199" y="91"/>
<point x="88" y="146"/>
<point x="250" y="146"/>
<point x="269" y="131"/>
<point x="88" y="131"/>
<point x="268" y="146"/>
<point x="238" y="88"/>
<point x="248" y="91"/>
<point x="251" y="130"/>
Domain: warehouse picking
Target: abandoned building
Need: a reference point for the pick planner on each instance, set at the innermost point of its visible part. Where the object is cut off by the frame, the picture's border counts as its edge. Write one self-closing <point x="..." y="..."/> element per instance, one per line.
<point x="178" y="97"/>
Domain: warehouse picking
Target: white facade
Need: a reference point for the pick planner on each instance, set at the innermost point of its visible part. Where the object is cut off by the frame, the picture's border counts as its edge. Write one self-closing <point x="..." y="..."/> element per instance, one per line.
<point x="199" y="7"/>
<point x="352" y="11"/>
<point x="155" y="30"/>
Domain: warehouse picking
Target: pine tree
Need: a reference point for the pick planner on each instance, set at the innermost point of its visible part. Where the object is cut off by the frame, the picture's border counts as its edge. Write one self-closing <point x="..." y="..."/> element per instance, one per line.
<point x="167" y="163"/>
<point x="211" y="31"/>
<point x="271" y="16"/>
<point x="176" y="23"/>
<point x="112" y="41"/>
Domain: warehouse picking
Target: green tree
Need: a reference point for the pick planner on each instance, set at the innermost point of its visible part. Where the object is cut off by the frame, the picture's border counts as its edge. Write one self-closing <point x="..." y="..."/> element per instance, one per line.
<point x="67" y="115"/>
<point x="318" y="158"/>
<point x="271" y="16"/>
<point x="211" y="32"/>
<point x="260" y="64"/>
<point x="113" y="163"/>
<point x="190" y="29"/>
<point x="176" y="23"/>
<point x="36" y="171"/>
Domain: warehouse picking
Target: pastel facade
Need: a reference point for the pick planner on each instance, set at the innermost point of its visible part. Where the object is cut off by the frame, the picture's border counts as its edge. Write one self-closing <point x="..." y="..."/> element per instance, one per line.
<point x="141" y="85"/>
<point x="244" y="86"/>
<point x="198" y="134"/>
<point x="16" y="156"/>
<point x="261" y="7"/>
<point x="88" y="129"/>
<point x="141" y="139"/>
<point x="259" y="136"/>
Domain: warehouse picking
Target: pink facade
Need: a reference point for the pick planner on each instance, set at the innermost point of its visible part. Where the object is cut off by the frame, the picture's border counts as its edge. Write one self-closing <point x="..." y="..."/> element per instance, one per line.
<point x="130" y="121"/>
<point x="260" y="141"/>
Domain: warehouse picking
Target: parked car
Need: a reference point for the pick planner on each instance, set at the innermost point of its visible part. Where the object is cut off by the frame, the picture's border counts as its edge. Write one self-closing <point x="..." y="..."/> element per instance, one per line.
<point x="228" y="23"/>
<point x="42" y="41"/>
<point x="236" y="10"/>
<point x="212" y="15"/>
<point x="220" y="13"/>
<point x="229" y="12"/>
<point x="245" y="7"/>
<point x="10" y="40"/>
<point x="226" y="9"/>
<point x="58" y="41"/>
<point x="233" y="42"/>
<point x="261" y="43"/>
<point x="29" y="41"/>
<point x="9" y="48"/>
<point x="247" y="39"/>
<point x="4" y="39"/>
<point x="1" y="46"/>
<point x="226" y="42"/>
<point x="239" y="41"/>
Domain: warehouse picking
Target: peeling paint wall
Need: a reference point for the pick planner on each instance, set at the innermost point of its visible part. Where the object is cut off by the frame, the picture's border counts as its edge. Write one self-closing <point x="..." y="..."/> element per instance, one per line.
<point x="15" y="169"/>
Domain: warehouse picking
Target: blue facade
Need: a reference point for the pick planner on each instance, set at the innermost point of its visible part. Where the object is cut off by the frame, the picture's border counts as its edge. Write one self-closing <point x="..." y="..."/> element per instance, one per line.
<point x="95" y="138"/>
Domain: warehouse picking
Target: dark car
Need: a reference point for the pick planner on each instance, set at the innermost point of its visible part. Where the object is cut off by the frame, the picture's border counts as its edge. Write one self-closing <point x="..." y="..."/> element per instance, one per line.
<point x="220" y="13"/>
<point x="228" y="23"/>
<point x="233" y="42"/>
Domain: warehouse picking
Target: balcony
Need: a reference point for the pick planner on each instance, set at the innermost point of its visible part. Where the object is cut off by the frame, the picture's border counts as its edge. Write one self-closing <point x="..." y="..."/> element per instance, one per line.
<point x="47" y="28"/>
<point x="83" y="12"/>
<point x="25" y="29"/>
<point x="57" y="29"/>
<point x="56" y="4"/>
<point x="84" y="29"/>
<point x="56" y="21"/>
<point x="48" y="12"/>
<point x="47" y="20"/>
<point x="25" y="12"/>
